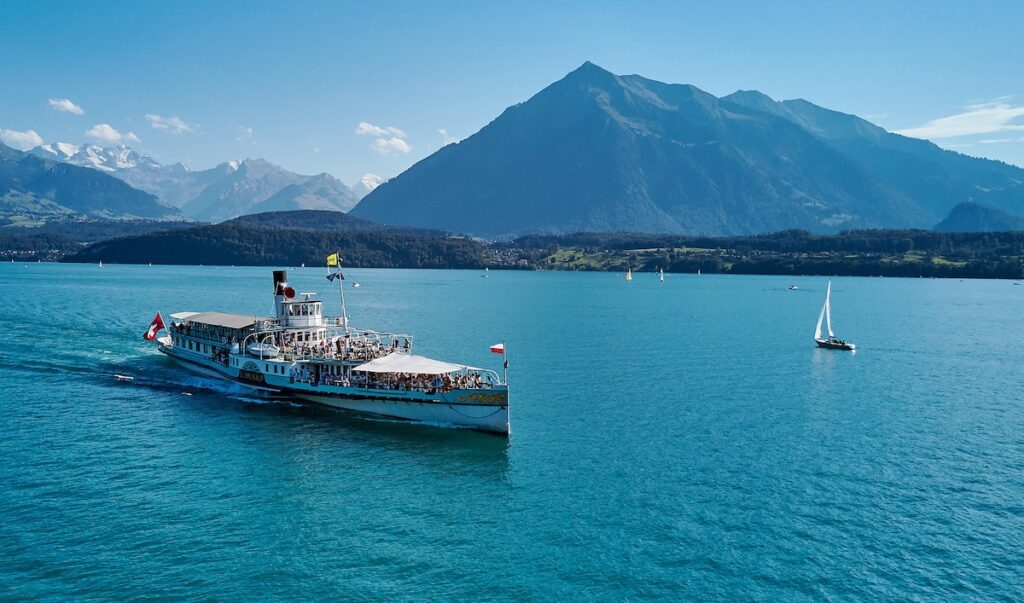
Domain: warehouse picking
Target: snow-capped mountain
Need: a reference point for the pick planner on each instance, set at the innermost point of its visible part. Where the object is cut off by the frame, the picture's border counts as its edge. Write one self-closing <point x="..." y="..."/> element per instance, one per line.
<point x="230" y="189"/>
<point x="41" y="188"/>
<point x="61" y="151"/>
<point x="366" y="185"/>
<point x="107" y="159"/>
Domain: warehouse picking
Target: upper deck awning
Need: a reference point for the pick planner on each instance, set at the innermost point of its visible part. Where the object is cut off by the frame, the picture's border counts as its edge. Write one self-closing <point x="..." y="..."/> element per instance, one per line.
<point x="407" y="363"/>
<point x="221" y="319"/>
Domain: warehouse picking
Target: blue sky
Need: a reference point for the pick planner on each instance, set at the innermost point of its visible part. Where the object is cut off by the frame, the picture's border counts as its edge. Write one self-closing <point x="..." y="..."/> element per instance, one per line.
<point x="203" y="82"/>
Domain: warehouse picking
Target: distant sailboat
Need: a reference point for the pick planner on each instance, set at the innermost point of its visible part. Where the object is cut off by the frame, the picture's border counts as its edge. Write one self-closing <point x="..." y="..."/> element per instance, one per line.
<point x="486" y="270"/>
<point x="826" y="315"/>
<point x="661" y="275"/>
<point x="629" y="274"/>
<point x="101" y="263"/>
<point x="698" y="272"/>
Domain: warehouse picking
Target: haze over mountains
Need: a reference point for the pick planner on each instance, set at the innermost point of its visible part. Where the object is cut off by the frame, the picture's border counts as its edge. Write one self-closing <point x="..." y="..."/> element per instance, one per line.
<point x="591" y="152"/>
<point x="34" y="190"/>
<point x="225" y="191"/>
<point x="600" y="152"/>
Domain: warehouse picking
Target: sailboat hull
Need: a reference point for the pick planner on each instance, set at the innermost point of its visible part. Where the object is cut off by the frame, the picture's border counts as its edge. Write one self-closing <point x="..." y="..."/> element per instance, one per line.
<point x="835" y="344"/>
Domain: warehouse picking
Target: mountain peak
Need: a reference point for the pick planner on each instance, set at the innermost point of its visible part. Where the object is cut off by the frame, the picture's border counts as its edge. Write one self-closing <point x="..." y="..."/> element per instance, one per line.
<point x="601" y="152"/>
<point x="589" y="72"/>
<point x="753" y="99"/>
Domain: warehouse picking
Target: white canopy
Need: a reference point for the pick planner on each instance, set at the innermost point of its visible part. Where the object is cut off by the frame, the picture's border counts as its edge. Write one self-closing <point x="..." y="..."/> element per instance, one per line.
<point x="396" y="362"/>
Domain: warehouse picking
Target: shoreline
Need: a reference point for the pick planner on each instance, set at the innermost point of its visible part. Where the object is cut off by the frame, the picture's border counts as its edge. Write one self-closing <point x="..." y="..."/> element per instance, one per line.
<point x="636" y="271"/>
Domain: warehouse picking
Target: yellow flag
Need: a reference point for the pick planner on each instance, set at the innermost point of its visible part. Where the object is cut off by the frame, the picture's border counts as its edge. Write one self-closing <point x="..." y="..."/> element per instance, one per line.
<point x="332" y="260"/>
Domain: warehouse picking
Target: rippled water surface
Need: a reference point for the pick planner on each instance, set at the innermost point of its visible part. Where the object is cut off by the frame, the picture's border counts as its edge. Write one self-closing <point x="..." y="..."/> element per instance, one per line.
<point x="684" y="440"/>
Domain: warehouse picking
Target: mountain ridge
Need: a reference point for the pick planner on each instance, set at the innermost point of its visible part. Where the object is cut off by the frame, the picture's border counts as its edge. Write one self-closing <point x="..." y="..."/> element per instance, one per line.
<point x="972" y="217"/>
<point x="598" y="151"/>
<point x="217" y="193"/>
<point x="35" y="189"/>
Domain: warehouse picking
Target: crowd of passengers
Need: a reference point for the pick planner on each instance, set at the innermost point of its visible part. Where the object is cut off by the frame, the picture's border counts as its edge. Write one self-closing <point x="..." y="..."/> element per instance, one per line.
<point x="399" y="381"/>
<point x="343" y="348"/>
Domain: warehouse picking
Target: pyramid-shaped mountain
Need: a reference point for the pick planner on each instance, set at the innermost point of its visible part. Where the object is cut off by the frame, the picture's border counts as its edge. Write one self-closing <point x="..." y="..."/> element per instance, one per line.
<point x="600" y="152"/>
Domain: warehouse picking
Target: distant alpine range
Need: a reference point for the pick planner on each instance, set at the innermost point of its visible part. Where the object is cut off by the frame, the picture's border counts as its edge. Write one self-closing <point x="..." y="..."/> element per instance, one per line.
<point x="593" y="152"/>
<point x="600" y="152"/>
<point x="34" y="190"/>
<point x="231" y="189"/>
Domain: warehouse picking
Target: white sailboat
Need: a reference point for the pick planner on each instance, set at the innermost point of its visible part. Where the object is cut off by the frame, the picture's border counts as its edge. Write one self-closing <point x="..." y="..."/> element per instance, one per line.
<point x="826" y="315"/>
<point x="629" y="274"/>
<point x="101" y="264"/>
<point x="661" y="274"/>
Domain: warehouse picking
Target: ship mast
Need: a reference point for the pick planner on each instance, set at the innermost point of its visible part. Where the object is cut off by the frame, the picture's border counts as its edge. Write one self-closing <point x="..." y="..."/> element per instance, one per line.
<point x="338" y="276"/>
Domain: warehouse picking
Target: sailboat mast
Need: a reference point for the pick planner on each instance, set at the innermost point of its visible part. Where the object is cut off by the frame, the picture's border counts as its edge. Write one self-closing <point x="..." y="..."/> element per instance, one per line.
<point x="828" y="310"/>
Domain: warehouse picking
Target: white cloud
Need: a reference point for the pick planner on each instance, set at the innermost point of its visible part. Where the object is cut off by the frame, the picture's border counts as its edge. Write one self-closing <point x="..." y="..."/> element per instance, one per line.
<point x="387" y="139"/>
<point x="983" y="118"/>
<point x="171" y="125"/>
<point x="107" y="133"/>
<point x="22" y="141"/>
<point x="386" y="146"/>
<point x="365" y="128"/>
<point x="447" y="139"/>
<point x="64" y="104"/>
<point x="996" y="140"/>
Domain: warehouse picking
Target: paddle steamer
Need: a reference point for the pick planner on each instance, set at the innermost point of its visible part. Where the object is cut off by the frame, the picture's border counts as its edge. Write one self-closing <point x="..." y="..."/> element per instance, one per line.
<point x="299" y="351"/>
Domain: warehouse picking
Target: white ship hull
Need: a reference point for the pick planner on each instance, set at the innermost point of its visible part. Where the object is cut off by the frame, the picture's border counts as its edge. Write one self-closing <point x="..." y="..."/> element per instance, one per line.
<point x="481" y="410"/>
<point x="493" y="419"/>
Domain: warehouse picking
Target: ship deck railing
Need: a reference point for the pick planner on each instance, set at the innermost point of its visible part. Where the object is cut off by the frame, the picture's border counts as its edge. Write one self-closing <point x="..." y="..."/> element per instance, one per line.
<point x="335" y="325"/>
<point x="290" y="354"/>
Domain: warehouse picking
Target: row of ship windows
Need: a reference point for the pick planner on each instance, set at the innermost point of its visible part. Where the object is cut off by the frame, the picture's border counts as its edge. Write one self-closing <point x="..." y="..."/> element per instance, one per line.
<point x="198" y="347"/>
<point x="309" y="336"/>
<point x="304" y="310"/>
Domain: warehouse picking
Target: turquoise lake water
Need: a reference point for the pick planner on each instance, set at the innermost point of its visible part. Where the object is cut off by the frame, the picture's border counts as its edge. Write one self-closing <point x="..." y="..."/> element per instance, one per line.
<point x="674" y="441"/>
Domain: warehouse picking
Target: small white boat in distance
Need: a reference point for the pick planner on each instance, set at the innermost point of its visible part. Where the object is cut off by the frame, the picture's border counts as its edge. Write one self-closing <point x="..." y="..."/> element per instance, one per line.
<point x="833" y="342"/>
<point x="629" y="274"/>
<point x="661" y="275"/>
<point x="355" y="285"/>
<point x="793" y="287"/>
<point x="101" y="264"/>
<point x="124" y="378"/>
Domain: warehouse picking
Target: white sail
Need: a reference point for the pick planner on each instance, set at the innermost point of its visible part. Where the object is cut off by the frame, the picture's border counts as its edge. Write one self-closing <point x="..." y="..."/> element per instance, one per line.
<point x="821" y="317"/>
<point x="661" y="274"/>
<point x="828" y="310"/>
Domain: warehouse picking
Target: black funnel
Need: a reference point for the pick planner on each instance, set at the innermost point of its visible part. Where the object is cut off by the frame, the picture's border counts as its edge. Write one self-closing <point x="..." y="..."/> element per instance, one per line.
<point x="280" y="280"/>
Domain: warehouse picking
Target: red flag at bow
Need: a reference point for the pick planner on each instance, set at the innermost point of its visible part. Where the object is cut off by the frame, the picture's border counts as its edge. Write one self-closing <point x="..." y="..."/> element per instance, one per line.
<point x="156" y="325"/>
<point x="498" y="348"/>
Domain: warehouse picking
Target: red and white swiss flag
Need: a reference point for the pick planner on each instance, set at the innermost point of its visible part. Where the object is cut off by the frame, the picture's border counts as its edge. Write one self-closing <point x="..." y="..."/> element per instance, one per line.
<point x="498" y="348"/>
<point x="156" y="325"/>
